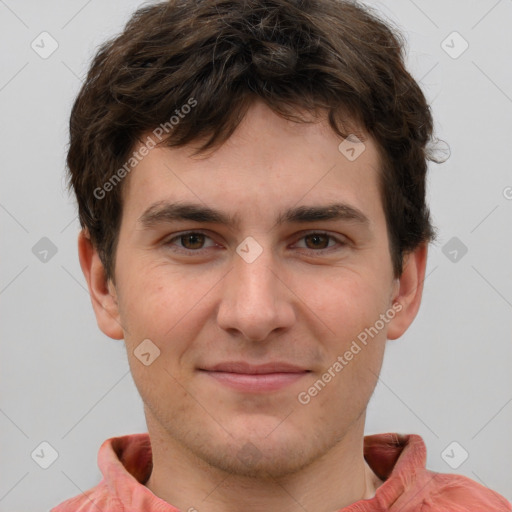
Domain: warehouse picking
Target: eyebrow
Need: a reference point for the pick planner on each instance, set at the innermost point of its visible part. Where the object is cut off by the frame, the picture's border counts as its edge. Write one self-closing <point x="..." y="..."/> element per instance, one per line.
<point x="164" y="211"/>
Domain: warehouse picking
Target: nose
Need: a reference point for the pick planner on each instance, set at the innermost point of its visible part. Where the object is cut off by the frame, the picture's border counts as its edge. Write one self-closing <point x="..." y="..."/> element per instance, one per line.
<point x="256" y="300"/>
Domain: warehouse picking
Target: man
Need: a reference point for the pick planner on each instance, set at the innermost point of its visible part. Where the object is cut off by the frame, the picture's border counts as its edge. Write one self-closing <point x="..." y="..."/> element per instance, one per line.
<point x="250" y="177"/>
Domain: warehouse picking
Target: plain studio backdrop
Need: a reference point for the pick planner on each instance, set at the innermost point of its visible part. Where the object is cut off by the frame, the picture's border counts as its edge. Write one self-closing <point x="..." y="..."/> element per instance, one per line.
<point x="66" y="384"/>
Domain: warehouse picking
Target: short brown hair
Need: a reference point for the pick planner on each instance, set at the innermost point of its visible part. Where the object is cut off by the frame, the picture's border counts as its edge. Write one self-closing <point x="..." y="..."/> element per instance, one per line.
<point x="333" y="56"/>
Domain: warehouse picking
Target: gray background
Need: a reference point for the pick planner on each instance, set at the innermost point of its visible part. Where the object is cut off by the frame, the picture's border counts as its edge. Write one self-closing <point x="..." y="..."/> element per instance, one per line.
<point x="448" y="378"/>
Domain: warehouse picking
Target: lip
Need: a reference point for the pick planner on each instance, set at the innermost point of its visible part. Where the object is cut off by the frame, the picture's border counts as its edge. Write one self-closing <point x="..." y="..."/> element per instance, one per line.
<point x="248" y="378"/>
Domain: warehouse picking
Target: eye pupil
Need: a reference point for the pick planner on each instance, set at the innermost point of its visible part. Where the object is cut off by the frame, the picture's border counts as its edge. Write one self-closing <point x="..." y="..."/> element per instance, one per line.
<point x="316" y="237"/>
<point x="191" y="237"/>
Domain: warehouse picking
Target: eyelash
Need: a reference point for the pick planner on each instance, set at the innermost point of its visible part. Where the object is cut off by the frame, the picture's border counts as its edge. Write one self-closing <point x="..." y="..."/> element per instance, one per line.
<point x="190" y="252"/>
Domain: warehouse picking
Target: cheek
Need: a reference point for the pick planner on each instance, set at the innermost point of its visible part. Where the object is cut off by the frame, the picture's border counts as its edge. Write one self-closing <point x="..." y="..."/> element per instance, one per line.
<point x="352" y="352"/>
<point x="166" y="306"/>
<point x="154" y="307"/>
<point x="346" y="301"/>
<point x="350" y="306"/>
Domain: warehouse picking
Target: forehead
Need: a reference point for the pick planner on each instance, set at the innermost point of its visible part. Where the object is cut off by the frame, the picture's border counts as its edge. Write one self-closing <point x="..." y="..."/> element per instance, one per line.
<point x="267" y="161"/>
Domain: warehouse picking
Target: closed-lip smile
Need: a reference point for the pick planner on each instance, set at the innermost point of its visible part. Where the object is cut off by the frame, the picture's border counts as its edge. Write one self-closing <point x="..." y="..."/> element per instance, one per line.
<point x="255" y="378"/>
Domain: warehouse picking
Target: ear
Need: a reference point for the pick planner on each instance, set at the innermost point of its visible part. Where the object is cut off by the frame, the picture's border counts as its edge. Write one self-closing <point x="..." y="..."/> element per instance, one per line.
<point x="103" y="294"/>
<point x="408" y="291"/>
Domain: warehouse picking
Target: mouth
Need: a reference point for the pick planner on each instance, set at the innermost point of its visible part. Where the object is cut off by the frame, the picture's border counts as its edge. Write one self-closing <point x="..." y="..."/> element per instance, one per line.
<point x="248" y="378"/>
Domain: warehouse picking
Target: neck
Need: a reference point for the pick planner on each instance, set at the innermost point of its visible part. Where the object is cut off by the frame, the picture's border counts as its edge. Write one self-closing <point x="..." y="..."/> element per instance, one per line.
<point x="336" y="480"/>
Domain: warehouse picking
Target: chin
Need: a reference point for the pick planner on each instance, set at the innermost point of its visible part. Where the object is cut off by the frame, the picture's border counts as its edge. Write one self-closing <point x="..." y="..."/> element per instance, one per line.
<point x="264" y="454"/>
<point x="258" y="461"/>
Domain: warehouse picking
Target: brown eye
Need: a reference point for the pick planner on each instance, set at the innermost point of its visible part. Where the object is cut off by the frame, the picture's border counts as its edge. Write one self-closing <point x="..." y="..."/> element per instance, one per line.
<point x="192" y="240"/>
<point x="318" y="241"/>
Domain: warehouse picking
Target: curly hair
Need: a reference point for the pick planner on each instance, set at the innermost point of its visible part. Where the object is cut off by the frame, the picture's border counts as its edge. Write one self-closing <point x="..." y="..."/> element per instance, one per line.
<point x="219" y="56"/>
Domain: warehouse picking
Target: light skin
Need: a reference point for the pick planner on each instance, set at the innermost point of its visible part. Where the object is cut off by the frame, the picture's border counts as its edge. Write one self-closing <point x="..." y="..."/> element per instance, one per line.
<point x="303" y="301"/>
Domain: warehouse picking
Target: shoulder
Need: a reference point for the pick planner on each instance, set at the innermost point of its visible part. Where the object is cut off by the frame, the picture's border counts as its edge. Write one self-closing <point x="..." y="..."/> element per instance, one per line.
<point x="458" y="493"/>
<point x="96" y="498"/>
<point x="400" y="460"/>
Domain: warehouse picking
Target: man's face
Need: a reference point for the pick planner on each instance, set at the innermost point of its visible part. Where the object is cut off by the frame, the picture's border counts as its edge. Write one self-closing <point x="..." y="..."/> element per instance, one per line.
<point x="207" y="300"/>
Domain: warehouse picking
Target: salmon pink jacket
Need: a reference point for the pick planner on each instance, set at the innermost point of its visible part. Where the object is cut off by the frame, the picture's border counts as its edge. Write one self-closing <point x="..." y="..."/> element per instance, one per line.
<point x="399" y="460"/>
